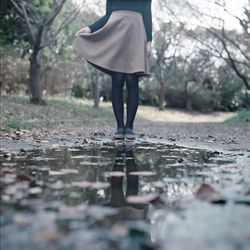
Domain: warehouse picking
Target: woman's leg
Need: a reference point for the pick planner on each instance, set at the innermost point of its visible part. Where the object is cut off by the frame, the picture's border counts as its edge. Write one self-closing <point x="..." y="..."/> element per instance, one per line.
<point x="118" y="80"/>
<point x="132" y="83"/>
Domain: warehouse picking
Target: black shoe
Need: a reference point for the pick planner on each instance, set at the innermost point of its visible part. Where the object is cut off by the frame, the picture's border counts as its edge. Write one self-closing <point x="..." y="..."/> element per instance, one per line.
<point x="119" y="135"/>
<point x="129" y="134"/>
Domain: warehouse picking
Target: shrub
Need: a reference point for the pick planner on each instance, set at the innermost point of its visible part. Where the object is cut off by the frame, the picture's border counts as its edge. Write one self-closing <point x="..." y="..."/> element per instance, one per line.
<point x="77" y="91"/>
<point x="14" y="72"/>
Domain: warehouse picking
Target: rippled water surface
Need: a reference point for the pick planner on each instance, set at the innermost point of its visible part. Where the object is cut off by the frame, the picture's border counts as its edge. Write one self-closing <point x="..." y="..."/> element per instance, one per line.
<point x="123" y="196"/>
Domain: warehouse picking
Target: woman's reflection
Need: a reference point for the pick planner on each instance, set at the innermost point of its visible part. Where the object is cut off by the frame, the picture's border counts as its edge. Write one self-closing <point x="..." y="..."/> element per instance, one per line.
<point x="125" y="159"/>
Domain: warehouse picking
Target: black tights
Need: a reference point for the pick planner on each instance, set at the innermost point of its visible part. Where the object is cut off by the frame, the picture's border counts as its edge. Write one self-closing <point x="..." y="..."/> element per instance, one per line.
<point x="132" y="83"/>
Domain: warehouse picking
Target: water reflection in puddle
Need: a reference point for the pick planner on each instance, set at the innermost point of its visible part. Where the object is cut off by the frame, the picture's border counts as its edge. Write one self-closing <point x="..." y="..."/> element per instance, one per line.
<point x="123" y="188"/>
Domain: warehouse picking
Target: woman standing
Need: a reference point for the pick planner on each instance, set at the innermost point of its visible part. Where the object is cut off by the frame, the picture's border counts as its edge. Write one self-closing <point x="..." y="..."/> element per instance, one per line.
<point x="120" y="44"/>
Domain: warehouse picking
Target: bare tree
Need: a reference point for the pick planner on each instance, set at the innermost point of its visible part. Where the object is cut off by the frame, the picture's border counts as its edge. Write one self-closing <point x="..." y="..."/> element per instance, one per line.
<point x="39" y="29"/>
<point x="233" y="47"/>
<point x="166" y="43"/>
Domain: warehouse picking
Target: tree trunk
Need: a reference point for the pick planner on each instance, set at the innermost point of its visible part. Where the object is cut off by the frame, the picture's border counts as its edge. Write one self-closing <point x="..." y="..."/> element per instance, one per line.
<point x="188" y="101"/>
<point x="96" y="90"/>
<point x="161" y="95"/>
<point x="36" y="77"/>
<point x="247" y="104"/>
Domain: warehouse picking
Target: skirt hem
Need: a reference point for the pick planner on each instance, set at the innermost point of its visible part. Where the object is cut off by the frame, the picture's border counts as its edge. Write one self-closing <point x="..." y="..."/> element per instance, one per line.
<point x="119" y="46"/>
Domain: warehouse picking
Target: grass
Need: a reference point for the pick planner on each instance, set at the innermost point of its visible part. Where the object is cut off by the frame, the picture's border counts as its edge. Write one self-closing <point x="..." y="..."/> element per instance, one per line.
<point x="18" y="113"/>
<point x="14" y="123"/>
<point x="78" y="105"/>
<point x="242" y="118"/>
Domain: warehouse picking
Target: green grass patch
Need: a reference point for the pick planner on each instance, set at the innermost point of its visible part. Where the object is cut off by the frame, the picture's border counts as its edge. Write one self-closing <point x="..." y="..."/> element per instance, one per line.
<point x="18" y="113"/>
<point x="242" y="118"/>
<point x="80" y="107"/>
<point x="14" y="99"/>
<point x="14" y="123"/>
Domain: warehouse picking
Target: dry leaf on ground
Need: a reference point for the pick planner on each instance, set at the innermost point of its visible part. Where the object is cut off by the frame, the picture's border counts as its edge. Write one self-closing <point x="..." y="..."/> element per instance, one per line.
<point x="207" y="193"/>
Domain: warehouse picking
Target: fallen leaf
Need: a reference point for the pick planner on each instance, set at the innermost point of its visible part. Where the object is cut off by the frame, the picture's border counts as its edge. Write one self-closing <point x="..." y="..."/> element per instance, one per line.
<point x="19" y="219"/>
<point x="70" y="171"/>
<point x="80" y="184"/>
<point x="55" y="147"/>
<point x="18" y="133"/>
<point x="114" y="174"/>
<point x="86" y="156"/>
<point x="100" y="185"/>
<point x="48" y="234"/>
<point x="142" y="173"/>
<point x="57" y="185"/>
<point x="142" y="199"/>
<point x="52" y="173"/>
<point x="24" y="177"/>
<point x="7" y="155"/>
<point x="214" y="153"/>
<point x="78" y="157"/>
<point x="101" y="212"/>
<point x="100" y="133"/>
<point x="63" y="172"/>
<point x="8" y="164"/>
<point x="3" y="150"/>
<point x="89" y="163"/>
<point x="73" y="209"/>
<point x="6" y="170"/>
<point x="72" y="149"/>
<point x="120" y="230"/>
<point x="208" y="193"/>
<point x="158" y="184"/>
<point x="35" y="190"/>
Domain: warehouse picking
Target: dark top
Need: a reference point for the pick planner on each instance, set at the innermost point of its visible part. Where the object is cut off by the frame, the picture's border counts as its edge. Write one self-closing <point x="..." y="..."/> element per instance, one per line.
<point x="141" y="6"/>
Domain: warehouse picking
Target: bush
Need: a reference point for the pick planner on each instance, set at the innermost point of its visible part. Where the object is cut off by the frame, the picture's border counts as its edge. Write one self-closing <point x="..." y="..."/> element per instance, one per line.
<point x="245" y="99"/>
<point x="148" y="93"/>
<point x="14" y="72"/>
<point x="77" y="91"/>
<point x="204" y="100"/>
<point x="175" y="97"/>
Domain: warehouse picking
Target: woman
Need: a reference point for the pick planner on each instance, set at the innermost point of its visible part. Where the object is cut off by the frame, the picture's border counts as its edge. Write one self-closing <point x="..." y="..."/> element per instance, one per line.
<point x="120" y="44"/>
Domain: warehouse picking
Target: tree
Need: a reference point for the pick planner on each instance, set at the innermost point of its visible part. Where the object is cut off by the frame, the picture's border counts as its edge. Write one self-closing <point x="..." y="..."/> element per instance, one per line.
<point x="166" y="43"/>
<point x="38" y="19"/>
<point x="231" y="46"/>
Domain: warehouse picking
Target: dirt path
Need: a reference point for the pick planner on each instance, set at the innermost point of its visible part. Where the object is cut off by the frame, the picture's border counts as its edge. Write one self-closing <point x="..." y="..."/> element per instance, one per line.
<point x="71" y="122"/>
<point x="194" y="128"/>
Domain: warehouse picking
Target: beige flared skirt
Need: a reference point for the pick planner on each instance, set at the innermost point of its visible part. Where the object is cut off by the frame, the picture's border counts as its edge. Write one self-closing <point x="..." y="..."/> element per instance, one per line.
<point x="120" y="45"/>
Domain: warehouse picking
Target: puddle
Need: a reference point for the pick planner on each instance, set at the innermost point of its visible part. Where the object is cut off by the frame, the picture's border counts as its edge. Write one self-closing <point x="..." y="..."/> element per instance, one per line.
<point x="122" y="197"/>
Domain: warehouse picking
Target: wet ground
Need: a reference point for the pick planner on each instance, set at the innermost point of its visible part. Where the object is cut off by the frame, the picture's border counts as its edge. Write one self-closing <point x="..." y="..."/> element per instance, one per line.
<point x="109" y="195"/>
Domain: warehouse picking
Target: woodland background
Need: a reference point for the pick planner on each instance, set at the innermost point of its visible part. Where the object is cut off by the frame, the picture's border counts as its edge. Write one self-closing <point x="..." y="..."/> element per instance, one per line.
<point x="204" y="65"/>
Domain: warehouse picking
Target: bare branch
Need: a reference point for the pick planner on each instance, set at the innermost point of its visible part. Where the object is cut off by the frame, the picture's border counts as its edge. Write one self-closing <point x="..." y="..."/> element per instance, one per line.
<point x="224" y="40"/>
<point x="238" y="47"/>
<point x="35" y="17"/>
<point x="30" y="12"/>
<point x="68" y="20"/>
<point x="18" y="9"/>
<point x="55" y="11"/>
<point x="23" y="14"/>
<point x="231" y="60"/>
<point x="27" y="21"/>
